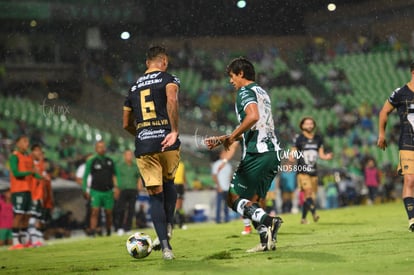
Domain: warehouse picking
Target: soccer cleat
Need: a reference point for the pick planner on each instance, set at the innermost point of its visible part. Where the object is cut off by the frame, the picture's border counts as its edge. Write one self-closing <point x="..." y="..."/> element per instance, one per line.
<point x="16" y="246"/>
<point x="258" y="248"/>
<point x="304" y="221"/>
<point x="272" y="233"/>
<point x="167" y="254"/>
<point x="316" y="218"/>
<point x="247" y="230"/>
<point x="156" y="244"/>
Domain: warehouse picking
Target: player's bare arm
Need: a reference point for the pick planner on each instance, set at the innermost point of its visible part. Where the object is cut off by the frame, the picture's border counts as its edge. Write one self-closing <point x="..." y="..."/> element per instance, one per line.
<point x="323" y="155"/>
<point x="172" y="109"/>
<point x="382" y="124"/>
<point x="127" y="122"/>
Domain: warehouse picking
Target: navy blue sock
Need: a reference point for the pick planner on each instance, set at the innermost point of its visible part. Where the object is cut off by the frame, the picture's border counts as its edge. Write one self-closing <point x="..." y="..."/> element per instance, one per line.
<point x="159" y="218"/>
<point x="311" y="205"/>
<point x="170" y="199"/>
<point x="305" y="209"/>
<point x="409" y="207"/>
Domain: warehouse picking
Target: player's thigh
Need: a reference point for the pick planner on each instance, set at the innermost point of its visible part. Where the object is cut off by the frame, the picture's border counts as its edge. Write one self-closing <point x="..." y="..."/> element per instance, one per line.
<point x="169" y="162"/>
<point x="151" y="170"/>
<point x="36" y="208"/>
<point x="314" y="183"/>
<point x="22" y="202"/>
<point x="406" y="162"/>
<point x="97" y="198"/>
<point x="254" y="175"/>
<point x="304" y="182"/>
<point x="108" y="200"/>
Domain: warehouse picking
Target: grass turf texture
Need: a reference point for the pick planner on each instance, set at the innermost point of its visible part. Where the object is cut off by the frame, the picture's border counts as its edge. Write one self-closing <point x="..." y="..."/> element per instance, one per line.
<point x="354" y="240"/>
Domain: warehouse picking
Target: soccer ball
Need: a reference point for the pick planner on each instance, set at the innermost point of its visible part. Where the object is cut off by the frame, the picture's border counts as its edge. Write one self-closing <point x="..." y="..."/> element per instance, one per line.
<point x="139" y="245"/>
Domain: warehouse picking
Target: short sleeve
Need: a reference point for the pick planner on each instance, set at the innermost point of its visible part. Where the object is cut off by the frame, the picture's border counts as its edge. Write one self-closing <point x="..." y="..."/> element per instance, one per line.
<point x="394" y="97"/>
<point x="127" y="103"/>
<point x="176" y="80"/>
<point x="247" y="97"/>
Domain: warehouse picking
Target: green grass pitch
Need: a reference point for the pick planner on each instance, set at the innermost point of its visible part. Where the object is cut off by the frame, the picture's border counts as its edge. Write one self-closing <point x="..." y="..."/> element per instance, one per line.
<point x="354" y="240"/>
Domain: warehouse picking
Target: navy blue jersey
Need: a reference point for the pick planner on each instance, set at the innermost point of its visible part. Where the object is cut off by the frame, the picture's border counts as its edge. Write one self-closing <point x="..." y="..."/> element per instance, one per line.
<point x="309" y="148"/>
<point x="147" y="100"/>
<point x="403" y="100"/>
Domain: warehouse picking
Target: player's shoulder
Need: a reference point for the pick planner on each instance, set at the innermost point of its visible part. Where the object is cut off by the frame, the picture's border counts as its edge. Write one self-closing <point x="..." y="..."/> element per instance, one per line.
<point x="171" y="78"/>
<point x="92" y="159"/>
<point x="298" y="137"/>
<point x="400" y="90"/>
<point x="246" y="93"/>
<point x="317" y="136"/>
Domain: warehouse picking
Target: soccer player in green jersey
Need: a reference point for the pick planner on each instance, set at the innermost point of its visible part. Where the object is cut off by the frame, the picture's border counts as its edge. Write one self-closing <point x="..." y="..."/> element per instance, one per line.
<point x="259" y="162"/>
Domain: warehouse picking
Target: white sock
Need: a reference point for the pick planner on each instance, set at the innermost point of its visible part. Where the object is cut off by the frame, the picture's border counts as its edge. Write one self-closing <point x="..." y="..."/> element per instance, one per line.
<point x="240" y="206"/>
<point x="258" y="214"/>
<point x="32" y="234"/>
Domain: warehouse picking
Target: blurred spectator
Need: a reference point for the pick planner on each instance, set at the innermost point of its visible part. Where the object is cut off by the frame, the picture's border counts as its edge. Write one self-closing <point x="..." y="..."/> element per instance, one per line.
<point x="287" y="182"/>
<point x="372" y="179"/>
<point x="6" y="217"/>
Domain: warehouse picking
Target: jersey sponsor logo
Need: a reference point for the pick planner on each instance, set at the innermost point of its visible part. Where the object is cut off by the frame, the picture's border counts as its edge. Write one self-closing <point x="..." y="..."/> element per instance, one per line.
<point x="242" y="186"/>
<point x="148" y="76"/>
<point x="159" y="122"/>
<point x="151" y="134"/>
<point x="308" y="146"/>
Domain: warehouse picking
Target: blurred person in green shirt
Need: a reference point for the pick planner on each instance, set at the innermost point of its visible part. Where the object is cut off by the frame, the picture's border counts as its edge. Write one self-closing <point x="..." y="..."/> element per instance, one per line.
<point x="104" y="186"/>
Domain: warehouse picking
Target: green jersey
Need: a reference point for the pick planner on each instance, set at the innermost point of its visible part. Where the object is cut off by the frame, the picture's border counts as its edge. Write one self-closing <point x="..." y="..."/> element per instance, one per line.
<point x="261" y="137"/>
<point x="128" y="176"/>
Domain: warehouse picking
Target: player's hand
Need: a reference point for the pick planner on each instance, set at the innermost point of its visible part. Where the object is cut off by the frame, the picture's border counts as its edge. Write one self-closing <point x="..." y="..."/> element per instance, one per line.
<point x="228" y="141"/>
<point x="329" y="156"/>
<point x="169" y="140"/>
<point x="86" y="195"/>
<point x="382" y="143"/>
<point x="213" y="142"/>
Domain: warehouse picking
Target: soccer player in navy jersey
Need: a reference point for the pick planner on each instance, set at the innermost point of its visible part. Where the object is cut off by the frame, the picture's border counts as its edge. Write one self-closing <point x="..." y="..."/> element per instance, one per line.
<point x="150" y="113"/>
<point x="402" y="99"/>
<point x="310" y="147"/>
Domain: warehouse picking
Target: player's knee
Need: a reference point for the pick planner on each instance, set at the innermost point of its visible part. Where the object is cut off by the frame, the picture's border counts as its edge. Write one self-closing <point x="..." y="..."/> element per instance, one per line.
<point x="409" y="181"/>
<point x="231" y="199"/>
<point x="154" y="190"/>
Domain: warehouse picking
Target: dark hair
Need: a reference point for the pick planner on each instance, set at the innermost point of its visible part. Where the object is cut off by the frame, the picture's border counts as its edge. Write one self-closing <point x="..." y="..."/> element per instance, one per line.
<point x="304" y="119"/>
<point x="239" y="65"/>
<point x="156" y="51"/>
<point x="20" y="137"/>
<point x="36" y="146"/>
<point x="412" y="66"/>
